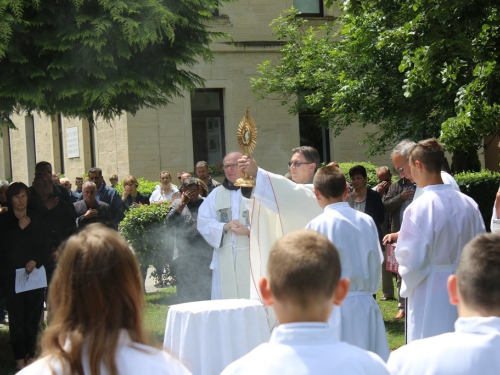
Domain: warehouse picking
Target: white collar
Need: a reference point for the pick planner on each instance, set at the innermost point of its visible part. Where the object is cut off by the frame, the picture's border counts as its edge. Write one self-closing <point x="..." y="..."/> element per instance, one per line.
<point x="478" y="324"/>
<point x="303" y="332"/>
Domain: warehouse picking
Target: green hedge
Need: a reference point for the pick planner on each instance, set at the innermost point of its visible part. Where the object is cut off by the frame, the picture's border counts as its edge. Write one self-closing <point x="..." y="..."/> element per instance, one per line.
<point x="145" y="187"/>
<point x="145" y="229"/>
<point x="482" y="187"/>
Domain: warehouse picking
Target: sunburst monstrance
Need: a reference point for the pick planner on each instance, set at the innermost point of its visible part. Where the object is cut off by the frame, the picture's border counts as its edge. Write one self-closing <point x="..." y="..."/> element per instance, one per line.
<point x="247" y="140"/>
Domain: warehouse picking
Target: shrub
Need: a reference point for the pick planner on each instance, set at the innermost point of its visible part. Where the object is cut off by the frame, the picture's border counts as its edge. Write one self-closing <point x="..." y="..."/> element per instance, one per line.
<point x="146" y="187"/>
<point x="145" y="229"/>
<point x="482" y="187"/>
<point x="216" y="168"/>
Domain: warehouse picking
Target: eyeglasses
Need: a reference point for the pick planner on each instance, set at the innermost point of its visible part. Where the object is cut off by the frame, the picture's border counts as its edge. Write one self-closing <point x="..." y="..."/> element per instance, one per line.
<point x="95" y="178"/>
<point x="400" y="169"/>
<point x="296" y="164"/>
<point x="229" y="166"/>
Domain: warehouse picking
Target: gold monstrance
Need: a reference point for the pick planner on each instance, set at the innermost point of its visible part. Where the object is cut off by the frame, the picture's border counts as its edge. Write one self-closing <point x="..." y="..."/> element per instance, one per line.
<point x="247" y="140"/>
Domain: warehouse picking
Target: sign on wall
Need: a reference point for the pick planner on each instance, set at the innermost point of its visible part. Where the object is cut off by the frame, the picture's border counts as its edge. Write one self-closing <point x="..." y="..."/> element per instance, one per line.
<point x="72" y="144"/>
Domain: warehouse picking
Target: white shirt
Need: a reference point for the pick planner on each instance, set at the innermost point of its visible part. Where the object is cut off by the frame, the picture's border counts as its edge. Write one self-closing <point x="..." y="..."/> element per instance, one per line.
<point x="355" y="236"/>
<point x="212" y="231"/>
<point x="447" y="180"/>
<point x="474" y="348"/>
<point x="131" y="359"/>
<point x="279" y="206"/>
<point x="306" y="348"/>
<point x="157" y="196"/>
<point x="434" y="231"/>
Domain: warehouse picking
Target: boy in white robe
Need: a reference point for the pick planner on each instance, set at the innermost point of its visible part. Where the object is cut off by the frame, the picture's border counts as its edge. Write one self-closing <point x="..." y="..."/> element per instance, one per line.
<point x="303" y="284"/>
<point x="355" y="236"/>
<point x="434" y="231"/>
<point x="474" y="347"/>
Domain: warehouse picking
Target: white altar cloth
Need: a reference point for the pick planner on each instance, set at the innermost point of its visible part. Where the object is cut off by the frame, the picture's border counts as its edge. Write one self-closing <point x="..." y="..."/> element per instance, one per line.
<point x="206" y="336"/>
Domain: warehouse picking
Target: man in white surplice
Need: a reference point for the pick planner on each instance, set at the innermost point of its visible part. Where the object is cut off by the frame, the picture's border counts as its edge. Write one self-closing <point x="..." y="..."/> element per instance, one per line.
<point x="278" y="206"/>
<point x="355" y="236"/>
<point x="474" y="347"/>
<point x="434" y="230"/>
<point x="224" y="223"/>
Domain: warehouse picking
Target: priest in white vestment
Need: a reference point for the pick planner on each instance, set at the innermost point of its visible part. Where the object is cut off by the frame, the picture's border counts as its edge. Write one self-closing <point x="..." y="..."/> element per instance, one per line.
<point x="434" y="231"/>
<point x="355" y="236"/>
<point x="279" y="206"/>
<point x="474" y="347"/>
<point x="224" y="223"/>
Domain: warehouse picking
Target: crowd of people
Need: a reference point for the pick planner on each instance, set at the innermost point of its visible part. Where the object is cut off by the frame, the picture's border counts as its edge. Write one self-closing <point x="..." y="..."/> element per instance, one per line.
<point x="36" y="220"/>
<point x="311" y="247"/>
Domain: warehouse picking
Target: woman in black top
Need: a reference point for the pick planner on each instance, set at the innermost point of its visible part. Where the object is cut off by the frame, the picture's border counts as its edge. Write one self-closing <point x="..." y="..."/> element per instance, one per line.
<point x="131" y="197"/>
<point x="22" y="246"/>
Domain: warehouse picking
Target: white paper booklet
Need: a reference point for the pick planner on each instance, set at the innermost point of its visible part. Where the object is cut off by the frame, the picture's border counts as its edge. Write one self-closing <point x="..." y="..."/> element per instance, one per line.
<point x="35" y="280"/>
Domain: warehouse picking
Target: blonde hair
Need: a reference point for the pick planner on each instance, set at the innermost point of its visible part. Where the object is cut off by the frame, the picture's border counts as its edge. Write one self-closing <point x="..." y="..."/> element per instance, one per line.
<point x="303" y="268"/>
<point x="95" y="293"/>
<point x="130" y="180"/>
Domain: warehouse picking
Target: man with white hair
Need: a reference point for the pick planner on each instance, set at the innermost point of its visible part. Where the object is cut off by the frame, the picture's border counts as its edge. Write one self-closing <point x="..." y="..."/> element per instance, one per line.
<point x="90" y="210"/>
<point x="224" y="223"/>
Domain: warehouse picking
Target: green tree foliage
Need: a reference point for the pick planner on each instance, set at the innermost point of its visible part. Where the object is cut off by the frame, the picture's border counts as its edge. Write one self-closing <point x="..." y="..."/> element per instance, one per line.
<point x="416" y="69"/>
<point x="102" y="57"/>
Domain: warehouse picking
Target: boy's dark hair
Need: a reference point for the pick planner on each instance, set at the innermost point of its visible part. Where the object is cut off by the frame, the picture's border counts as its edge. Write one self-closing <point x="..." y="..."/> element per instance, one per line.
<point x="478" y="272"/>
<point x="330" y="182"/>
<point x="309" y="153"/>
<point x="430" y="153"/>
<point x="303" y="268"/>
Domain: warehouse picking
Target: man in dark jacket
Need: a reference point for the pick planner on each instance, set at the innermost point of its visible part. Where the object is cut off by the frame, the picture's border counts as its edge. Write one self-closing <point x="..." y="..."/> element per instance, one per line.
<point x="192" y="254"/>
<point x="90" y="210"/>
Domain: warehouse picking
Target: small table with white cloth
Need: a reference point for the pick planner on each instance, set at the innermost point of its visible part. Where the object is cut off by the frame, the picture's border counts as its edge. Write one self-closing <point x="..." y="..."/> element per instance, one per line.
<point x="206" y="336"/>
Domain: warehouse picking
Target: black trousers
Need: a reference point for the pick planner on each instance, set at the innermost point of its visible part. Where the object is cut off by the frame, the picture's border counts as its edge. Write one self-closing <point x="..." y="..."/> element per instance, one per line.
<point x="24" y="310"/>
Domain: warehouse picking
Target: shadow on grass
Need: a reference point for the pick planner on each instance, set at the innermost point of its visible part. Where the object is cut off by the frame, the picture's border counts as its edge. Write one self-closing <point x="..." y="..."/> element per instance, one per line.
<point x="7" y="361"/>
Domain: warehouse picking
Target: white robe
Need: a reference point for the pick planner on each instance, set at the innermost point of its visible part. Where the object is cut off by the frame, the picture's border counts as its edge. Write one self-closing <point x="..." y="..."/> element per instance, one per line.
<point x="434" y="231"/>
<point x="447" y="180"/>
<point x="131" y="359"/>
<point x="279" y="206"/>
<point x="212" y="231"/>
<point x="474" y="348"/>
<point x="306" y="348"/>
<point x="356" y="238"/>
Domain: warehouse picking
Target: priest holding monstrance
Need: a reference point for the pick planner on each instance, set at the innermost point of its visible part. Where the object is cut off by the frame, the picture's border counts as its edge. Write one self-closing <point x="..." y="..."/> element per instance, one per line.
<point x="224" y="222"/>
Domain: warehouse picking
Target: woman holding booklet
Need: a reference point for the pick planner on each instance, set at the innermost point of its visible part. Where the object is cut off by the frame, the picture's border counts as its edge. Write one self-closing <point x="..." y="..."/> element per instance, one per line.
<point x="21" y="239"/>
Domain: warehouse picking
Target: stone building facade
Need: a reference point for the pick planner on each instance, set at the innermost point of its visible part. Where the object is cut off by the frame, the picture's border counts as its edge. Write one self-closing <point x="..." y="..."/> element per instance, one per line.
<point x="191" y="128"/>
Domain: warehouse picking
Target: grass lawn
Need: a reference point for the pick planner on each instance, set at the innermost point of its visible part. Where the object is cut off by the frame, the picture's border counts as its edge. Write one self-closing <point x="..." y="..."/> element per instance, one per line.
<point x="156" y="314"/>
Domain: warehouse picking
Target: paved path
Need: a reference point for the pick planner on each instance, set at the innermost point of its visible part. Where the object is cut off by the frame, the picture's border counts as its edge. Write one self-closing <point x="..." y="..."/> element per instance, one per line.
<point x="149" y="283"/>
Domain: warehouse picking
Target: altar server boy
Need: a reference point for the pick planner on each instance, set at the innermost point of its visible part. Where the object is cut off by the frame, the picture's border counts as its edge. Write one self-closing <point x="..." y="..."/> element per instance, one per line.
<point x="434" y="231"/>
<point x="355" y="236"/>
<point x="474" y="347"/>
<point x="303" y="285"/>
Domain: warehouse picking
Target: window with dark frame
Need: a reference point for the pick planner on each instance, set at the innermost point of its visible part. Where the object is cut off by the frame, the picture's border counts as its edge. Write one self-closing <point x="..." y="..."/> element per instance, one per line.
<point x="315" y="135"/>
<point x="309" y="8"/>
<point x="207" y="121"/>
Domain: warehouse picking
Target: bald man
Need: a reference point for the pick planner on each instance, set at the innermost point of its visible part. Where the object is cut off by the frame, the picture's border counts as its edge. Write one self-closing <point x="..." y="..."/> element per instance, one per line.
<point x="224" y="223"/>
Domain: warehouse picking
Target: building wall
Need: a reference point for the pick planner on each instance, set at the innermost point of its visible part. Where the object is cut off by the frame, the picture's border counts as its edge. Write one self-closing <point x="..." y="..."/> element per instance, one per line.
<point x="162" y="139"/>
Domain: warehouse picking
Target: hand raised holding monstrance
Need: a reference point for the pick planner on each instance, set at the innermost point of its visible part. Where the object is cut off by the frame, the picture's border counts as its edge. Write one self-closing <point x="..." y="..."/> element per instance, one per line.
<point x="247" y="140"/>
